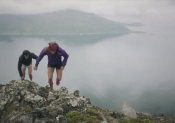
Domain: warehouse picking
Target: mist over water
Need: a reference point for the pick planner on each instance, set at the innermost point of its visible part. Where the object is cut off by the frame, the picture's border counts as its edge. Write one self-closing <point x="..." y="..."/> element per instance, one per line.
<point x="137" y="68"/>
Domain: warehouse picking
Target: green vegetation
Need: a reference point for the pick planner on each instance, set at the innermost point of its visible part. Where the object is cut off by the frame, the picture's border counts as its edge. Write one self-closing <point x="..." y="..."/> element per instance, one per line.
<point x="13" y="107"/>
<point x="9" y="109"/>
<point x="137" y="121"/>
<point x="28" y="109"/>
<point x="104" y="110"/>
<point x="77" y="117"/>
<point x="119" y="113"/>
<point x="92" y="111"/>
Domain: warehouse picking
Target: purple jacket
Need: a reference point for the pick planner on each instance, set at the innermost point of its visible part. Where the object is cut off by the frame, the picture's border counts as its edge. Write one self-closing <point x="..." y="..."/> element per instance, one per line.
<point x="53" y="59"/>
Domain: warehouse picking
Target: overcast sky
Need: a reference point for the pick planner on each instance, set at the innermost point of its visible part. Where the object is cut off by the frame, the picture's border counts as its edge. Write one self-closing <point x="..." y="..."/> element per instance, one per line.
<point x="135" y="62"/>
<point x="119" y="10"/>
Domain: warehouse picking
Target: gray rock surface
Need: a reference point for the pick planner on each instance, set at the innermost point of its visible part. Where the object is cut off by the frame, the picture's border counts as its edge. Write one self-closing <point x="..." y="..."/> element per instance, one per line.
<point x="44" y="104"/>
<point x="128" y="111"/>
<point x="27" y="102"/>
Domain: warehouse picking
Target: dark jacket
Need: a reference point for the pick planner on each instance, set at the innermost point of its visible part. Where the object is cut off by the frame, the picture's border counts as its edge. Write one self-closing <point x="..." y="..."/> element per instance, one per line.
<point x="24" y="61"/>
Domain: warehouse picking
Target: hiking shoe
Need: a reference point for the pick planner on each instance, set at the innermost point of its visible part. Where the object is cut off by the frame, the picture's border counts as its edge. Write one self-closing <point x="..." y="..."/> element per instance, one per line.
<point x="57" y="82"/>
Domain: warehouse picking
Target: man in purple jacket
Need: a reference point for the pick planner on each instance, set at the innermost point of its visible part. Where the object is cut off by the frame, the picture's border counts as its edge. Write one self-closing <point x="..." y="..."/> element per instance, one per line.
<point x="54" y="53"/>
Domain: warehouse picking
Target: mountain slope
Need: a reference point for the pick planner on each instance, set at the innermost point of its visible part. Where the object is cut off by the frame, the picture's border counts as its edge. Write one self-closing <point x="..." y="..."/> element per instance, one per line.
<point x="27" y="102"/>
<point x="68" y="21"/>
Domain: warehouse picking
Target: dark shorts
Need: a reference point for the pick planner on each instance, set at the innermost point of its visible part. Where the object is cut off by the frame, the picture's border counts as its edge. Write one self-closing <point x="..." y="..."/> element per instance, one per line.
<point x="58" y="66"/>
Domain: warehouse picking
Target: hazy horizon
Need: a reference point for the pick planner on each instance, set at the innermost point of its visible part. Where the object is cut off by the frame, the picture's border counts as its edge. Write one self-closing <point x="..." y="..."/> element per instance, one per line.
<point x="152" y="12"/>
<point x="136" y="68"/>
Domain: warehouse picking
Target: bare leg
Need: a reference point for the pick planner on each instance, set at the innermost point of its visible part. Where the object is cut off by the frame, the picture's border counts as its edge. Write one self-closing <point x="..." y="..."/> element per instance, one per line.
<point x="23" y="72"/>
<point x="50" y="76"/>
<point x="59" y="74"/>
<point x="30" y="72"/>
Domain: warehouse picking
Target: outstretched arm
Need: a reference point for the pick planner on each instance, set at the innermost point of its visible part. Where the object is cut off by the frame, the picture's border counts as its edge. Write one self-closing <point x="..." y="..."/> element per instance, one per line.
<point x="65" y="55"/>
<point x="42" y="54"/>
<point x="19" y="66"/>
<point x="33" y="56"/>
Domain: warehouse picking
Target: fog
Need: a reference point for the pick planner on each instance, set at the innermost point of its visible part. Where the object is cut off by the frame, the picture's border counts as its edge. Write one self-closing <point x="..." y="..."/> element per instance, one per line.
<point x="136" y="68"/>
<point x="122" y="10"/>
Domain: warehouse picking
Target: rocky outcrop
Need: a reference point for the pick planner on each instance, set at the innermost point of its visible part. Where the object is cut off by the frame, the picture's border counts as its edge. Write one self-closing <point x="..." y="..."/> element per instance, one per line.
<point x="156" y="117"/>
<point x="128" y="111"/>
<point x="27" y="102"/>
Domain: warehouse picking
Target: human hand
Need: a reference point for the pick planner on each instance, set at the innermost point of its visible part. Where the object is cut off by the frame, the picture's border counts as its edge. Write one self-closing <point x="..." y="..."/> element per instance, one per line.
<point x="35" y="68"/>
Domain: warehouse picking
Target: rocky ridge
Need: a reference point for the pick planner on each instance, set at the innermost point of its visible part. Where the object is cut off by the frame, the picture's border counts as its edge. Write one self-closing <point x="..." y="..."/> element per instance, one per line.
<point x="27" y="102"/>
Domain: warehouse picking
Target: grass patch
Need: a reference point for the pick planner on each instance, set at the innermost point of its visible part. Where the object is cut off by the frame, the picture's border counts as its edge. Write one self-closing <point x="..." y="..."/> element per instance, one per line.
<point x="28" y="109"/>
<point x="9" y="109"/>
<point x="109" y="119"/>
<point x="92" y="111"/>
<point x="77" y="117"/>
<point x="137" y="121"/>
<point x="119" y="113"/>
<point x="104" y="110"/>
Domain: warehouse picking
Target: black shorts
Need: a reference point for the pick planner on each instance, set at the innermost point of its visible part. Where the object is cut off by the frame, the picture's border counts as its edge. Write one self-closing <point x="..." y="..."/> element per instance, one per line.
<point x="58" y="66"/>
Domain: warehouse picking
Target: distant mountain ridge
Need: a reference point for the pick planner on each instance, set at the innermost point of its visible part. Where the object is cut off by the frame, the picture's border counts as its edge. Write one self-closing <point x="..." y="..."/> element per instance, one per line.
<point x="61" y="22"/>
<point x="130" y="24"/>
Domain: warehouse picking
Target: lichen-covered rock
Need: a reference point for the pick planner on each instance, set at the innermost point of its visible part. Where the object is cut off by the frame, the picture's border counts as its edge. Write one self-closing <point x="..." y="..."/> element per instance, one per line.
<point x="76" y="93"/>
<point x="27" y="102"/>
<point x="61" y="119"/>
<point x="38" y="103"/>
<point x="128" y="111"/>
<point x="159" y="117"/>
<point x="18" y="117"/>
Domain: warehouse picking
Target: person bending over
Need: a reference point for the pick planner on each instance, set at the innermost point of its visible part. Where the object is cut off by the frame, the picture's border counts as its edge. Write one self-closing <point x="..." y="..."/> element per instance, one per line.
<point x="25" y="61"/>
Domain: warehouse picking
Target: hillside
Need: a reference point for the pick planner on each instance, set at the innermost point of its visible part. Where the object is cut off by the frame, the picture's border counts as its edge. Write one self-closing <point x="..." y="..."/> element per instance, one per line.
<point x="61" y="22"/>
<point x="27" y="102"/>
